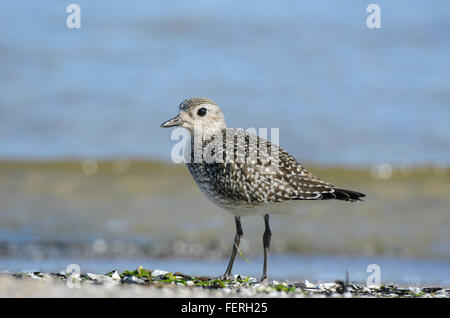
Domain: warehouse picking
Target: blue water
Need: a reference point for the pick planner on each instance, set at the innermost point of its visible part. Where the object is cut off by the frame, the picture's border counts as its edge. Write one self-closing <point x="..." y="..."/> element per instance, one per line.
<point x="338" y="91"/>
<point x="318" y="268"/>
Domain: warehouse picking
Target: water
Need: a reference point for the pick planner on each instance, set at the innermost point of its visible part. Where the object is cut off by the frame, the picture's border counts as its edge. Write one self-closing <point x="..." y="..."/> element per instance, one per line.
<point x="153" y="209"/>
<point x="320" y="268"/>
<point x="340" y="92"/>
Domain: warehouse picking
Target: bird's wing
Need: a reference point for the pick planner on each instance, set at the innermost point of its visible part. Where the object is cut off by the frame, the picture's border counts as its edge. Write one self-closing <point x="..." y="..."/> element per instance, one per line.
<point x="273" y="176"/>
<point x="288" y="180"/>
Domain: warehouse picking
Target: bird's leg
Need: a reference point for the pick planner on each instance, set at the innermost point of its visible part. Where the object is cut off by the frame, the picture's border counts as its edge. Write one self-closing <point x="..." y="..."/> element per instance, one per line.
<point x="266" y="243"/>
<point x="237" y="240"/>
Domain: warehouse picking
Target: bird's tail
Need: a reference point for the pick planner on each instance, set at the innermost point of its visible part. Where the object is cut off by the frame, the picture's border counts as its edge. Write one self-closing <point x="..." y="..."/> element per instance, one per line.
<point x="348" y="195"/>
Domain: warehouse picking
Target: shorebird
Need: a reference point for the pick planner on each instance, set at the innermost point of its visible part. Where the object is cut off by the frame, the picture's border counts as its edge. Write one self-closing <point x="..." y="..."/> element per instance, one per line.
<point x="246" y="174"/>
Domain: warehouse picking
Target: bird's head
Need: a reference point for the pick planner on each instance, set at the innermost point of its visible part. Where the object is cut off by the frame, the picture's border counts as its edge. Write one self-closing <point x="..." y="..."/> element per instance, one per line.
<point x="198" y="113"/>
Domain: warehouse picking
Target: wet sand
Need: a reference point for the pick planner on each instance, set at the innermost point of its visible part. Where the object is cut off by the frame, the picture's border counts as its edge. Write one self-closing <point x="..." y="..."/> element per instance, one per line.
<point x="154" y="209"/>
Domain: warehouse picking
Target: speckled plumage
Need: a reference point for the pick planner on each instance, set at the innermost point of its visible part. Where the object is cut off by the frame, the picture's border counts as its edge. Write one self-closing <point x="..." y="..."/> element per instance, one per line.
<point x="244" y="184"/>
<point x="244" y="173"/>
<point x="195" y="101"/>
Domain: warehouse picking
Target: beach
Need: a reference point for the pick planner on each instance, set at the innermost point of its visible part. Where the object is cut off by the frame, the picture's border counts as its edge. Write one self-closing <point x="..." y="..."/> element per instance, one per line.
<point x="159" y="283"/>
<point x="150" y="213"/>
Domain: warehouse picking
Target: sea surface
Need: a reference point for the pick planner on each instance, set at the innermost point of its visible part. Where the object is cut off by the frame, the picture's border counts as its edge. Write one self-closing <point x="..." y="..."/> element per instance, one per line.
<point x="340" y="93"/>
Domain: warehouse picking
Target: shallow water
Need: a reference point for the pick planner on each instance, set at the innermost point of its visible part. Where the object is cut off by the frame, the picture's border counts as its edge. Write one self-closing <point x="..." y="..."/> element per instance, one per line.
<point x="153" y="209"/>
<point x="319" y="268"/>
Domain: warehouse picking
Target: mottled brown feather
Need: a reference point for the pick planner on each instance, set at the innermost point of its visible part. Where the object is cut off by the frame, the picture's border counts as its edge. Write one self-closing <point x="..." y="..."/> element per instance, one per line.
<point x="248" y="182"/>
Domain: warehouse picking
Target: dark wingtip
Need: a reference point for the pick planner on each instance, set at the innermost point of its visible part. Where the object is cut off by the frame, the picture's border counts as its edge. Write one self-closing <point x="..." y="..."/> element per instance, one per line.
<point x="348" y="195"/>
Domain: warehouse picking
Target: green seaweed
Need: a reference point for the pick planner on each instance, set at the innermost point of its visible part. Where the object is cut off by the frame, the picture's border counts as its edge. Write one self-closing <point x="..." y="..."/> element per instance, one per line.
<point x="143" y="272"/>
<point x="281" y="287"/>
<point x="126" y="273"/>
<point x="139" y="272"/>
<point x="216" y="283"/>
<point x="170" y="278"/>
<point x="418" y="294"/>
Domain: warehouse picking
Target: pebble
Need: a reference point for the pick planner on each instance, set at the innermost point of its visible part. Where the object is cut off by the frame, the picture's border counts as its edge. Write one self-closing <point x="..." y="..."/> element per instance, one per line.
<point x="158" y="272"/>
<point x="225" y="289"/>
<point x="133" y="280"/>
<point x="115" y="276"/>
<point x="328" y="285"/>
<point x="309" y="285"/>
<point x="94" y="277"/>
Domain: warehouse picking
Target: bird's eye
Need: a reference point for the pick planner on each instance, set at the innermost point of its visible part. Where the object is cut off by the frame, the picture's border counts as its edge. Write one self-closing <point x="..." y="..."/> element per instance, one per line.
<point x="201" y="112"/>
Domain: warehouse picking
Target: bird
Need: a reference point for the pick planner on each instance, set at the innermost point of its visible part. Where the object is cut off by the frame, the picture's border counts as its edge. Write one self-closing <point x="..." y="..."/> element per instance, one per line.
<point x="246" y="174"/>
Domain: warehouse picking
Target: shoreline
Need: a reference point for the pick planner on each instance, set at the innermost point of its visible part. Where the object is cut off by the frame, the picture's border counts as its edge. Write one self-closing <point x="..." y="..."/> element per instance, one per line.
<point x="160" y="283"/>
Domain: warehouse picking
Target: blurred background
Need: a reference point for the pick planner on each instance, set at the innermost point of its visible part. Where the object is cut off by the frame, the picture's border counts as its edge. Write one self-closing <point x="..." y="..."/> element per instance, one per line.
<point x="85" y="170"/>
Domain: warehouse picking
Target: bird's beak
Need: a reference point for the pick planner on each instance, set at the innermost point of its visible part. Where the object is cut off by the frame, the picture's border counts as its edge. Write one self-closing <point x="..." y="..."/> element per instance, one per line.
<point x="176" y="121"/>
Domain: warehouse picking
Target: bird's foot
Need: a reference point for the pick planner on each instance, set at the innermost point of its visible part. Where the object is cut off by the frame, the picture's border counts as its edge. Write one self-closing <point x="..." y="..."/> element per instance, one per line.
<point x="264" y="281"/>
<point x="226" y="277"/>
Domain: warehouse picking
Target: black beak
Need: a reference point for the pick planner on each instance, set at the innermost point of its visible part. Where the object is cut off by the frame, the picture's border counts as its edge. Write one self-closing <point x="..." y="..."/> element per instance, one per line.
<point x="176" y="121"/>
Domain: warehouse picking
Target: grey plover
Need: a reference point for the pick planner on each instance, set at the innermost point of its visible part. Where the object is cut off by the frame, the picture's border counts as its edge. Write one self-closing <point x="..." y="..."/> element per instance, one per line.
<point x="241" y="177"/>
